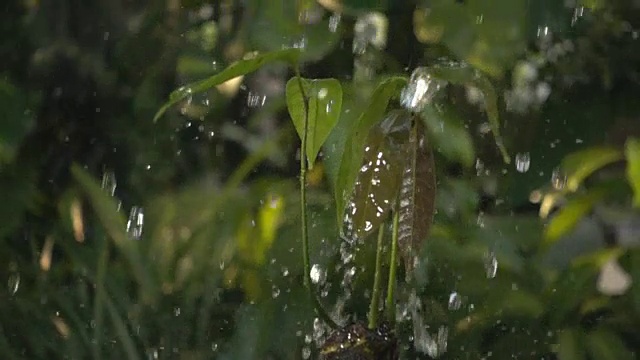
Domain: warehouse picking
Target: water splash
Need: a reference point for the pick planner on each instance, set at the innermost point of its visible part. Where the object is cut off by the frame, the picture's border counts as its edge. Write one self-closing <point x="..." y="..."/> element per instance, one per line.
<point x="523" y="162"/>
<point x="135" y="223"/>
<point x="334" y="22"/>
<point x="318" y="275"/>
<point x="433" y="345"/>
<point x="420" y="90"/>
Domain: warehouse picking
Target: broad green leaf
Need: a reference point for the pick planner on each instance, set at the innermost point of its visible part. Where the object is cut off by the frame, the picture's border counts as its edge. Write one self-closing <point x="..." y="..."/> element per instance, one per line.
<point x="355" y="140"/>
<point x="571" y="214"/>
<point x="112" y="221"/>
<point x="274" y="27"/>
<point x="604" y="344"/>
<point x="417" y="195"/>
<point x="570" y="345"/>
<point x="378" y="181"/>
<point x="448" y="134"/>
<point x="234" y="70"/>
<point x="579" y="165"/>
<point x="490" y="35"/>
<point x="322" y="101"/>
<point x="632" y="152"/>
<point x="462" y="74"/>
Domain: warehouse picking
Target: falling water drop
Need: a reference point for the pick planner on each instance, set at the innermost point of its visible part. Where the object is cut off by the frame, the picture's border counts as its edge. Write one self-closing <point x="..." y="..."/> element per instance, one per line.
<point x="135" y="222"/>
<point x="275" y="291"/>
<point x="13" y="282"/>
<point x="316" y="273"/>
<point x="255" y="100"/>
<point x="420" y="90"/>
<point x="109" y="182"/>
<point x="558" y="179"/>
<point x="523" y="162"/>
<point x="490" y="264"/>
<point x="455" y="301"/>
<point x="334" y="22"/>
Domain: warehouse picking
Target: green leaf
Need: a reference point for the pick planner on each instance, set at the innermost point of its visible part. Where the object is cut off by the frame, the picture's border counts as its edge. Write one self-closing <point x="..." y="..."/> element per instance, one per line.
<point x="324" y="100"/>
<point x="570" y="345"/>
<point x="105" y="208"/>
<point x="632" y="151"/>
<point x="357" y="136"/>
<point x="571" y="214"/>
<point x="579" y="165"/>
<point x="234" y="70"/>
<point x="604" y="344"/>
<point x="463" y="74"/>
<point x="417" y="195"/>
<point x="378" y="181"/>
<point x="448" y="133"/>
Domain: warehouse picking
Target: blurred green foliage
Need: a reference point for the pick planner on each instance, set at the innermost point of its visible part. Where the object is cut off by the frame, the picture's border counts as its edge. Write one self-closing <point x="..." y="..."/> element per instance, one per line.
<point x="178" y="237"/>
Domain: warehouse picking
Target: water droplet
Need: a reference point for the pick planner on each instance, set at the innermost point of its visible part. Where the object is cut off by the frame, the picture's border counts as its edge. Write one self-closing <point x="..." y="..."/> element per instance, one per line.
<point x="523" y="162"/>
<point x="558" y="179"/>
<point x="334" y="22"/>
<point x="317" y="274"/>
<point x="420" y="90"/>
<point x="285" y="271"/>
<point x="135" y="222"/>
<point x="490" y="264"/>
<point x="109" y="182"/>
<point x="255" y="100"/>
<point x="455" y="301"/>
<point x="13" y="282"/>
<point x="176" y="311"/>
<point x="306" y="353"/>
<point x="275" y="291"/>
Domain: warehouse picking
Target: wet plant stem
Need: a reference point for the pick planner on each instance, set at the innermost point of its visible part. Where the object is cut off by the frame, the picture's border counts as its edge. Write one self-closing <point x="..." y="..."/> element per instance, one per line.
<point x="377" y="278"/>
<point x="390" y="305"/>
<point x="303" y="209"/>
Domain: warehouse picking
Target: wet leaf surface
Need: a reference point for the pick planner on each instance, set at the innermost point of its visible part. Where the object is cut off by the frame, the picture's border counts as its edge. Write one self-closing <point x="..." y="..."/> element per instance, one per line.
<point x="416" y="201"/>
<point x="356" y="138"/>
<point x="324" y="98"/>
<point x="378" y="182"/>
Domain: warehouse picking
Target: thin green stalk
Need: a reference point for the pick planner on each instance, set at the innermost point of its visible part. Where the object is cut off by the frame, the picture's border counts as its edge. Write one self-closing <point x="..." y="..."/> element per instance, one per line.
<point x="303" y="209"/>
<point x="377" y="278"/>
<point x="390" y="305"/>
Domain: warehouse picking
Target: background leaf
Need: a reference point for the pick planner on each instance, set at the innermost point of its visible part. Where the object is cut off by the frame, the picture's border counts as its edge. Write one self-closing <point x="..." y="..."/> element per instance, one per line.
<point x="448" y="134"/>
<point x="324" y="98"/>
<point x="579" y="165"/>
